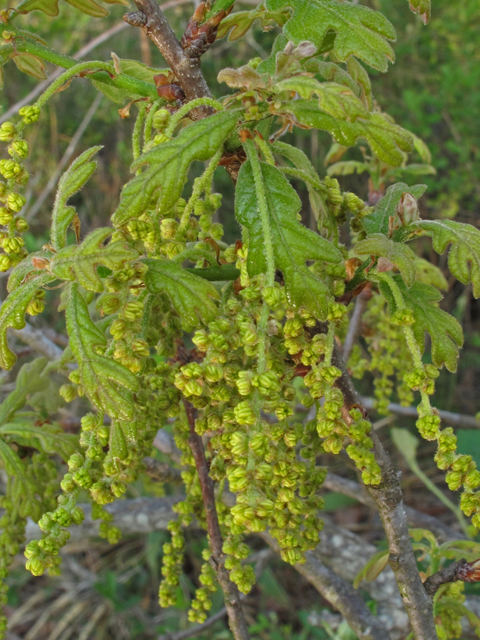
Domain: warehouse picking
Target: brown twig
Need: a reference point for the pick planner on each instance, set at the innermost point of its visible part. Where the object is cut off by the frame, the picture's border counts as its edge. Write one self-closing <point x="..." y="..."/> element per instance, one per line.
<point x="187" y="70"/>
<point x="389" y="500"/>
<point x="448" y="574"/>
<point x="236" y="618"/>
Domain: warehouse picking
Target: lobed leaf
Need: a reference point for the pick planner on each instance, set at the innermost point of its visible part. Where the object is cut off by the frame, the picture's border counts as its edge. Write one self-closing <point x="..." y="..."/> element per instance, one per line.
<point x="79" y="262"/>
<point x="50" y="7"/>
<point x="237" y="24"/>
<point x="12" y="314"/>
<point x="464" y="254"/>
<point x="121" y="433"/>
<point x="386" y="139"/>
<point x="168" y="166"/>
<point x="192" y="297"/>
<point x="71" y="181"/>
<point x="445" y="332"/>
<point x="378" y="221"/>
<point x="293" y="243"/>
<point x="360" y="31"/>
<point x="397" y="253"/>
<point x="108" y="384"/>
<point x="428" y="273"/>
<point x="30" y="379"/>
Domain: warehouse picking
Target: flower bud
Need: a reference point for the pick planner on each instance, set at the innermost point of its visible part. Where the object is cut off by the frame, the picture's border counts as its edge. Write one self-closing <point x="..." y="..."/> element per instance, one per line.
<point x="68" y="392"/>
<point x="9" y="168"/>
<point x="161" y="119"/>
<point x="7" y="132"/>
<point x="19" y="148"/>
<point x="30" y="113"/>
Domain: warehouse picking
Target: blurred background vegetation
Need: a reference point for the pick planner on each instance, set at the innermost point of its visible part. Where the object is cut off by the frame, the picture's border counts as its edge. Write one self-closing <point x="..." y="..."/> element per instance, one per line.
<point x="433" y="89"/>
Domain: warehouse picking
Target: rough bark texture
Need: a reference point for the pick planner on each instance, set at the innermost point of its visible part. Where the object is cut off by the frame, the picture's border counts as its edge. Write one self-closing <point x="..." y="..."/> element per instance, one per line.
<point x="448" y="574"/>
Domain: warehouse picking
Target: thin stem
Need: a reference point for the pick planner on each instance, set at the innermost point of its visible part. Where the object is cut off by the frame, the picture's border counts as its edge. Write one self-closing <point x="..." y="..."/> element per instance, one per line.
<point x="303" y="175"/>
<point x="147" y="134"/>
<point x="262" y="209"/>
<point x="330" y="344"/>
<point x="137" y="132"/>
<point x="190" y="106"/>
<point x="236" y="618"/>
<point x="199" y="187"/>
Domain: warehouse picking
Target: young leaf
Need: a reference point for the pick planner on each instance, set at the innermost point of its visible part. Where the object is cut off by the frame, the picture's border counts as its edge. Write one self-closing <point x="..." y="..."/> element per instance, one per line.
<point x="71" y="181"/>
<point x="237" y="24"/>
<point x="428" y="273"/>
<point x="464" y="254"/>
<point x="397" y="253"/>
<point x="12" y="314"/>
<point x="386" y="139"/>
<point x="445" y="332"/>
<point x="347" y="168"/>
<point x="23" y="488"/>
<point x="50" y="7"/>
<point x="48" y="438"/>
<point x="423" y="8"/>
<point x="378" y="221"/>
<point x="372" y="569"/>
<point x="79" y="262"/>
<point x="293" y="243"/>
<point x="192" y="297"/>
<point x="360" y="31"/>
<point x="168" y="166"/>
<point x="335" y="99"/>
<point x="27" y="269"/>
<point x="134" y="69"/>
<point x="30" y="64"/>
<point x="30" y="379"/>
<point x="456" y="549"/>
<point x="120" y="434"/>
<point x="108" y="384"/>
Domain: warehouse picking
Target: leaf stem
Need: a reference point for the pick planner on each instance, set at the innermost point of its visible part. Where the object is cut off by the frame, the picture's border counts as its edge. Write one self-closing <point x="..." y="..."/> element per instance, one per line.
<point x="265" y="149"/>
<point x="262" y="208"/>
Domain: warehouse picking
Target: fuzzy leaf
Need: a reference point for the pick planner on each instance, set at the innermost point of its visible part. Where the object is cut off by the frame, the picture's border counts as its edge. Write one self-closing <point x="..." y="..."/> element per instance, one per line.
<point x="12" y="314"/>
<point x="108" y="384"/>
<point x="49" y="438"/>
<point x="378" y="221"/>
<point x="372" y="569"/>
<point x="464" y="254"/>
<point x="456" y="549"/>
<point x="30" y="64"/>
<point x="397" y="253"/>
<point x="360" y="31"/>
<point x="30" y="379"/>
<point x="117" y="444"/>
<point x="347" y="168"/>
<point x="26" y="269"/>
<point x="79" y="262"/>
<point x="168" y="166"/>
<point x="50" y="7"/>
<point x="23" y="488"/>
<point x="293" y="243"/>
<point x="445" y="332"/>
<point x="237" y="24"/>
<point x="192" y="297"/>
<point x="134" y="69"/>
<point x="386" y="139"/>
<point x="335" y="99"/>
<point x="71" y="181"/>
<point x="428" y="273"/>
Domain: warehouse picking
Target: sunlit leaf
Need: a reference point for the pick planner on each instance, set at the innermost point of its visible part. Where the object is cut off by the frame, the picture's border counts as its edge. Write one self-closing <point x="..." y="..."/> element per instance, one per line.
<point x="133" y="69"/>
<point x="397" y="253"/>
<point x="30" y="64"/>
<point x="108" y="384"/>
<point x="378" y="221"/>
<point x="293" y="243"/>
<point x="50" y="7"/>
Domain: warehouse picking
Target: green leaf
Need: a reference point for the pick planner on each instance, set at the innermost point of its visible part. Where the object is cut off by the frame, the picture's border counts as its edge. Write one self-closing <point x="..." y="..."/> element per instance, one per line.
<point x="347" y="168"/>
<point x="378" y="221"/>
<point x="464" y="254"/>
<point x="108" y="384"/>
<point x="419" y="534"/>
<point x="168" y="166"/>
<point x="12" y="314"/>
<point x="26" y="269"/>
<point x="237" y="24"/>
<point x="192" y="297"/>
<point x="23" y="488"/>
<point x="360" y="31"/>
<point x="428" y="273"/>
<point x="386" y="139"/>
<point x="117" y="443"/>
<point x="405" y="442"/>
<point x="445" y="332"/>
<point x="372" y="569"/>
<point x="423" y="8"/>
<point x="457" y="549"/>
<point x="30" y="379"/>
<point x="333" y="73"/>
<point x="49" y="438"/>
<point x="50" y="7"/>
<point x="293" y="243"/>
<point x="71" y="181"/>
<point x="30" y="64"/>
<point x="133" y="69"/>
<point x="397" y="253"/>
<point x="335" y="99"/>
<point x="79" y="262"/>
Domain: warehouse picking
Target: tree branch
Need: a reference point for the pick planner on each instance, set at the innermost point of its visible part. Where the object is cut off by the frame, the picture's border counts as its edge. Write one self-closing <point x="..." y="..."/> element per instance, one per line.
<point x="356" y="322"/>
<point x="389" y="500"/>
<point x="187" y="70"/>
<point x="448" y="574"/>
<point x="236" y="618"/>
